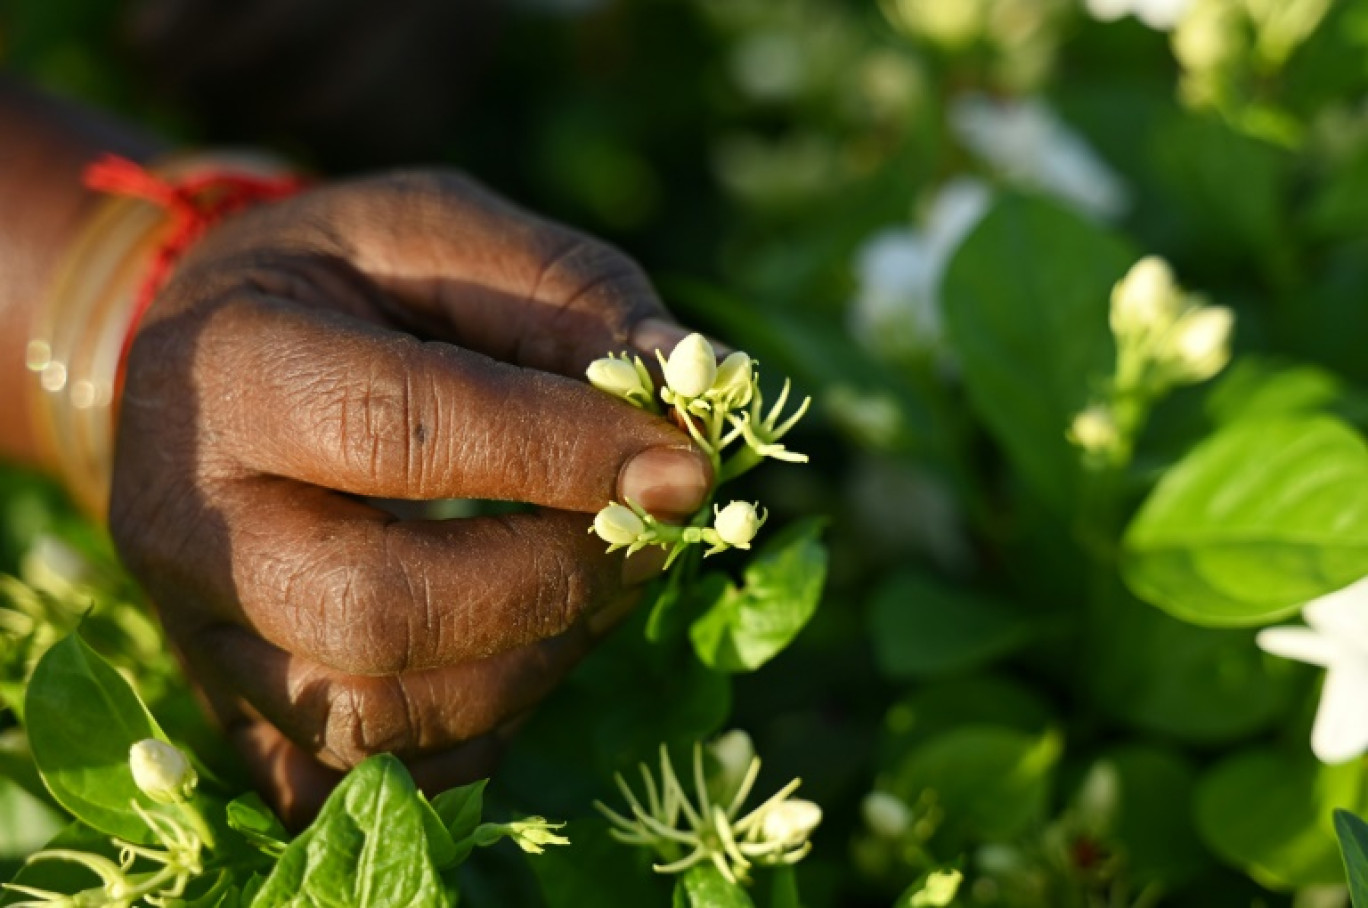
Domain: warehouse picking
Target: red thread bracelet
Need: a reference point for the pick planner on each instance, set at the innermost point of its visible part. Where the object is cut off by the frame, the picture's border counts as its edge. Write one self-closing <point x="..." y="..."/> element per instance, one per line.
<point x="194" y="204"/>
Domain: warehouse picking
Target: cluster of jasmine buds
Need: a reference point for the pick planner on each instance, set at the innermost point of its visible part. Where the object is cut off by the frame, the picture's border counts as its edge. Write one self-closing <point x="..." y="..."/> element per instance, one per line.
<point x="164" y="774"/>
<point x="685" y="831"/>
<point x="629" y="526"/>
<point x="531" y="834"/>
<point x="722" y="409"/>
<point x="1163" y="335"/>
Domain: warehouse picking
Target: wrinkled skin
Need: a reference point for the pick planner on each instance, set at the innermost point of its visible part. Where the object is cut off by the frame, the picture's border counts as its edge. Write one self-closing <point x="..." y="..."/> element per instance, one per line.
<point x="408" y="336"/>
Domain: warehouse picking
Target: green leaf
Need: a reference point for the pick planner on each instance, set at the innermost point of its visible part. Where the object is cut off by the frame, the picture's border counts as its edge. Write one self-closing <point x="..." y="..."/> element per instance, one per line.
<point x="1353" y="840"/>
<point x="82" y="719"/>
<point x="676" y="607"/>
<point x="63" y="876"/>
<point x="1203" y="685"/>
<point x="458" y="810"/>
<point x="250" y="816"/>
<point x="706" y="887"/>
<point x="1026" y="303"/>
<point x="26" y="823"/>
<point x="746" y="628"/>
<point x="922" y="627"/>
<point x="367" y="847"/>
<point x="1256" y="521"/>
<point x="1271" y="814"/>
<point x="990" y="782"/>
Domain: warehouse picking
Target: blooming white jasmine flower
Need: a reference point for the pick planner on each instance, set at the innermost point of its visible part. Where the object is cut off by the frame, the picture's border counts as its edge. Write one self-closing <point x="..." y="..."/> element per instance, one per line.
<point x="737" y="523"/>
<point x="618" y="525"/>
<point x="691" y="367"/>
<point x="1336" y="640"/>
<point x="161" y="771"/>
<point x="1160" y="15"/>
<point x="885" y="814"/>
<point x="1031" y="147"/>
<point x="897" y="310"/>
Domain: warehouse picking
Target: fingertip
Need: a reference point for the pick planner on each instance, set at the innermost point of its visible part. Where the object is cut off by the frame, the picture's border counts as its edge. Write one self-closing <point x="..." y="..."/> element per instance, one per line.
<point x="669" y="482"/>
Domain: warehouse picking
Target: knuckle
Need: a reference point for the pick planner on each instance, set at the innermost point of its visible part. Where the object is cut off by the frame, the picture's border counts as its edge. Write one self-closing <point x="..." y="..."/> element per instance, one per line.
<point x="366" y="716"/>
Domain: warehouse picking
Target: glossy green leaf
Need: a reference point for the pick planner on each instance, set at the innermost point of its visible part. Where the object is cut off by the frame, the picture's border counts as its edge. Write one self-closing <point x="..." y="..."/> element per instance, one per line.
<point x="1271" y="814"/>
<point x="922" y="627"/>
<point x="991" y="782"/>
<point x="367" y="847"/>
<point x="1026" y="302"/>
<point x="1256" y="521"/>
<point x="250" y="816"/>
<point x="706" y="887"/>
<point x="1353" y="840"/>
<point x="458" y="811"/>
<point x="747" y="627"/>
<point x="82" y="719"/>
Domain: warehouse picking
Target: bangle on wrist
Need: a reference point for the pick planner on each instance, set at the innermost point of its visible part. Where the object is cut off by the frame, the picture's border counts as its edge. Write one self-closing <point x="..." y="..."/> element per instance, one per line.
<point x="108" y="277"/>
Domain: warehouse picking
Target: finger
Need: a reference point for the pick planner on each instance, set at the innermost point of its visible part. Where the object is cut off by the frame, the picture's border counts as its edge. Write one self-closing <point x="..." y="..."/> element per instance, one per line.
<point x="341" y="719"/>
<point x="503" y="281"/>
<point x="296" y="785"/>
<point x="339" y="403"/>
<point x="345" y="585"/>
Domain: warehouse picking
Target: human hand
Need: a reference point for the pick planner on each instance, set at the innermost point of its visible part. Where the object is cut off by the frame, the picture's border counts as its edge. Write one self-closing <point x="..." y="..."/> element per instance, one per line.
<point x="408" y="336"/>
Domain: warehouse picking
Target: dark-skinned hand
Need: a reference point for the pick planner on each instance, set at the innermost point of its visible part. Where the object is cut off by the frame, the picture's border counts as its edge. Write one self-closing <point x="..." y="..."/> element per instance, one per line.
<point x="408" y="336"/>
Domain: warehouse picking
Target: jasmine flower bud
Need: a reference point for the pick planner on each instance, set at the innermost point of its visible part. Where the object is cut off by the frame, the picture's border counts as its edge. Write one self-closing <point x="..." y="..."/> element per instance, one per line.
<point x="1199" y="343"/>
<point x="618" y="525"/>
<point x="734" y="379"/>
<point x="691" y="367"/>
<point x="1145" y="300"/>
<point x="617" y="377"/>
<point x="161" y="771"/>
<point x="532" y="834"/>
<point x="885" y="814"/>
<point x="1095" y="430"/>
<point x="791" y="822"/>
<point x="733" y="753"/>
<point x="737" y="523"/>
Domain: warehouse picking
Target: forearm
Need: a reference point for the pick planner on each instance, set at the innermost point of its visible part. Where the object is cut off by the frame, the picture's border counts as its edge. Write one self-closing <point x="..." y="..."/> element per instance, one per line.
<point x="44" y="144"/>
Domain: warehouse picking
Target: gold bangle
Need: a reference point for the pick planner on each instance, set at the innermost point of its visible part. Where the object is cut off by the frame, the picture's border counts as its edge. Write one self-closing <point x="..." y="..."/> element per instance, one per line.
<point x="79" y="331"/>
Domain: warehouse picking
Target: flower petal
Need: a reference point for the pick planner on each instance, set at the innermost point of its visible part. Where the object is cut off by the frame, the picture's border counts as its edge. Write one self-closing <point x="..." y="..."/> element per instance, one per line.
<point x="1300" y="643"/>
<point x="1341" y="729"/>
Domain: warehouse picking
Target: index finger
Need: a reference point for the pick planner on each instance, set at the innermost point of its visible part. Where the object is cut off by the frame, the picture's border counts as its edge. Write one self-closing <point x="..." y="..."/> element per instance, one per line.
<point x="340" y="403"/>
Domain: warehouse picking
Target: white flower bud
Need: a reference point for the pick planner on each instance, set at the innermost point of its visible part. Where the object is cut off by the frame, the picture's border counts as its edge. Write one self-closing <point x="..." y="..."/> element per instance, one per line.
<point x="1199" y="344"/>
<point x="161" y="771"/>
<point x="791" y="822"/>
<point x="734" y="378"/>
<point x="737" y="523"/>
<point x="1145" y="300"/>
<point x="618" y="525"/>
<point x="885" y="814"/>
<point x="1095" y="430"/>
<point x="692" y="367"/>
<point x="616" y="376"/>
<point x="733" y="752"/>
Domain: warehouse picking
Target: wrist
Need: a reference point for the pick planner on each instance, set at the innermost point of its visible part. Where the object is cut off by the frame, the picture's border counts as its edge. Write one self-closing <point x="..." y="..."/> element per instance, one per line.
<point x="121" y="257"/>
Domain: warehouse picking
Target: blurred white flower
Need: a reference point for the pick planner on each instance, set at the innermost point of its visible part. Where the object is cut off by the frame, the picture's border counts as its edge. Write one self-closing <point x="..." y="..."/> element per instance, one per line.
<point x="1336" y="640"/>
<point x="1160" y="15"/>
<point x="885" y="814"/>
<point x="1031" y="147"/>
<point x="769" y="66"/>
<point x="897" y="309"/>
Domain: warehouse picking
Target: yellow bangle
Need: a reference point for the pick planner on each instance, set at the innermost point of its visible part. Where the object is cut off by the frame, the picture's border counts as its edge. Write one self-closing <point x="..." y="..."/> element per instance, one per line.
<point x="80" y="330"/>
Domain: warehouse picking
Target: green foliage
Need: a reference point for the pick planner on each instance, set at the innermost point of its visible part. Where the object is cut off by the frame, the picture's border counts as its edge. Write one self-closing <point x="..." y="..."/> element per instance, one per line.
<point x="1032" y="338"/>
<point x="1257" y="520"/>
<point x="1353" y="840"/>
<point x="369" y="846"/>
<point x="747" y="626"/>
